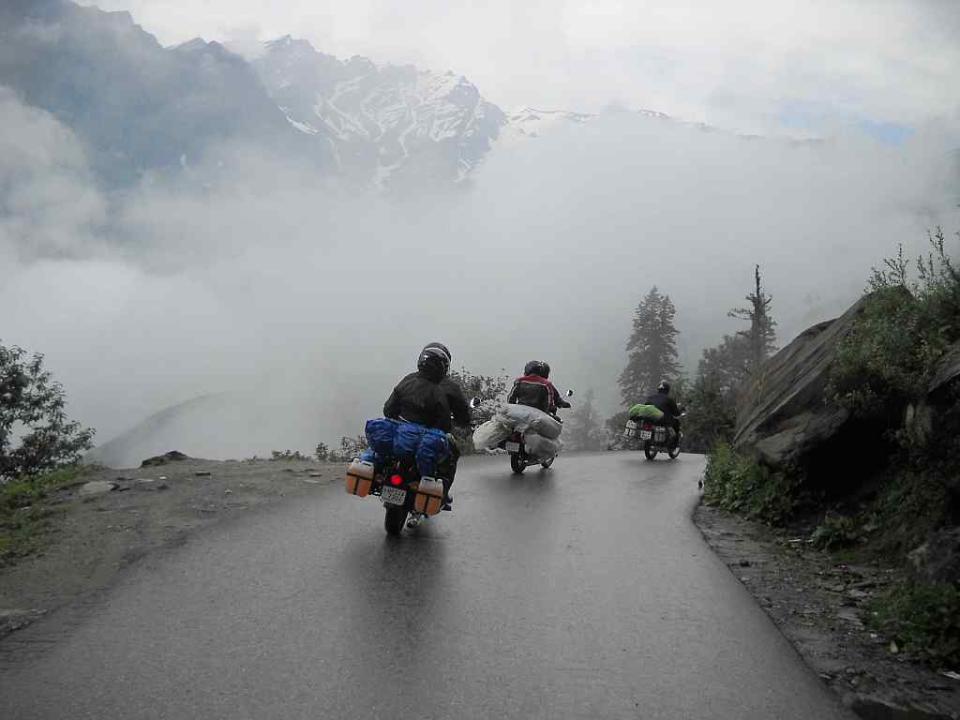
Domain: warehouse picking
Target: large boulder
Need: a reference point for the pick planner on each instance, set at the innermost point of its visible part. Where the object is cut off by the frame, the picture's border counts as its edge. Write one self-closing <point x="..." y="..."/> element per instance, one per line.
<point x="946" y="376"/>
<point x="784" y="418"/>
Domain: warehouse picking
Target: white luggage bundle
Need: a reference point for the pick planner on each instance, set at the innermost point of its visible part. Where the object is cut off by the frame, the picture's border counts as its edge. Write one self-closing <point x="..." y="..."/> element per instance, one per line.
<point x="539" y="447"/>
<point x="529" y="421"/>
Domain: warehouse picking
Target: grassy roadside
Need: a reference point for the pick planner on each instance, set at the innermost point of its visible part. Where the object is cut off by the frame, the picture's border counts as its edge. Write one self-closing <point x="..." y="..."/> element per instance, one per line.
<point x="27" y="507"/>
<point x="920" y="618"/>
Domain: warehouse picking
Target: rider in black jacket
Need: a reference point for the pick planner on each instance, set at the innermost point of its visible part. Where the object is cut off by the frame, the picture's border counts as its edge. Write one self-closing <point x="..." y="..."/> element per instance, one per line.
<point x="429" y="397"/>
<point x="667" y="405"/>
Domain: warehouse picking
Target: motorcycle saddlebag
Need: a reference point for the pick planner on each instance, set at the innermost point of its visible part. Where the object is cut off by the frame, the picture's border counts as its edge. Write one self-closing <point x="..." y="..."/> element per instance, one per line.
<point x="380" y="435"/>
<point x="429" y="497"/>
<point x="433" y="449"/>
<point x="360" y="478"/>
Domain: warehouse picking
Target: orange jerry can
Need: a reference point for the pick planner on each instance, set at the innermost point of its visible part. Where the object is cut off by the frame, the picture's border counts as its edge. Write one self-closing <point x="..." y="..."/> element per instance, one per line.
<point x="359" y="479"/>
<point x="429" y="498"/>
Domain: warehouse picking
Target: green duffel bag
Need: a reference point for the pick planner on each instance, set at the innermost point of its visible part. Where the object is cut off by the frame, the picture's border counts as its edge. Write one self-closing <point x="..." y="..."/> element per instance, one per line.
<point x="646" y="412"/>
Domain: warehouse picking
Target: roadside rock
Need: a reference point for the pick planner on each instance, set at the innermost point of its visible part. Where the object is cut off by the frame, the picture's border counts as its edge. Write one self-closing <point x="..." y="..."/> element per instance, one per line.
<point x="938" y="559"/>
<point x="168" y="457"/>
<point x="873" y="708"/>
<point x="785" y="420"/>
<point x="947" y="373"/>
<point x="97" y="487"/>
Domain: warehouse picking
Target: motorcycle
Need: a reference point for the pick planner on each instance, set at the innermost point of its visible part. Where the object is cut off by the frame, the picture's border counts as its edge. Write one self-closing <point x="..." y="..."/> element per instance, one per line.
<point x="653" y="438"/>
<point x="408" y="499"/>
<point x="516" y="447"/>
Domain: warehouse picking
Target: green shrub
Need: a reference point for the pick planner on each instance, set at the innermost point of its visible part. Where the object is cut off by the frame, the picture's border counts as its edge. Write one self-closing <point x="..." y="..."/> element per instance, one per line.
<point x="905" y="329"/>
<point x="23" y="512"/>
<point x="923" y="619"/>
<point x="836" y="531"/>
<point x="740" y="484"/>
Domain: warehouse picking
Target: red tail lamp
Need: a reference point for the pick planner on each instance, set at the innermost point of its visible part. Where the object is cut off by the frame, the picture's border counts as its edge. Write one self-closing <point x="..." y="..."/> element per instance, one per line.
<point x="396" y="480"/>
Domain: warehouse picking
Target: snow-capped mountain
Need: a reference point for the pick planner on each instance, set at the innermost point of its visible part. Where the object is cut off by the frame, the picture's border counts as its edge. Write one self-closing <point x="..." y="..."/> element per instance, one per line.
<point x="391" y="125"/>
<point x="140" y="108"/>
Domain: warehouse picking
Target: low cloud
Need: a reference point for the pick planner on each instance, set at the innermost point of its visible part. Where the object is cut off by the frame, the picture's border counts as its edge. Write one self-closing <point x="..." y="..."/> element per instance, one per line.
<point x="302" y="302"/>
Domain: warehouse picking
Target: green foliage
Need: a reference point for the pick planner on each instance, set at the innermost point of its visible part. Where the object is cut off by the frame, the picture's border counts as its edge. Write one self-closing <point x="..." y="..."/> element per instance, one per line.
<point x="912" y="502"/>
<point x="491" y="390"/>
<point x="350" y="447"/>
<point x="652" y="348"/>
<point x="287" y="455"/>
<point x="906" y="327"/>
<point x="724" y="370"/>
<point x="923" y="619"/>
<point x="35" y="434"/>
<point x="835" y="532"/>
<point x="24" y="514"/>
<point x="711" y="401"/>
<point x="737" y="483"/>
<point x="615" y="425"/>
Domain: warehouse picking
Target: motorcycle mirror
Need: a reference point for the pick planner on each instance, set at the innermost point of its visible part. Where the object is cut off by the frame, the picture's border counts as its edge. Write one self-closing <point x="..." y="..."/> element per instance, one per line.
<point x="475" y="402"/>
<point x="569" y="393"/>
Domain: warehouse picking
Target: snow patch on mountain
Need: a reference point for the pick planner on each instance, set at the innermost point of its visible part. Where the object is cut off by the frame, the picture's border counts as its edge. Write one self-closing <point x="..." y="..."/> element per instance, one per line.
<point x="387" y="124"/>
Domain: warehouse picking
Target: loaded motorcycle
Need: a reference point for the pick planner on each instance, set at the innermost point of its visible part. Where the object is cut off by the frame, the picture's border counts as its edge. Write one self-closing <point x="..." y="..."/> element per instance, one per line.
<point x="653" y="437"/>
<point x="408" y="499"/>
<point x="408" y="496"/>
<point x="516" y="446"/>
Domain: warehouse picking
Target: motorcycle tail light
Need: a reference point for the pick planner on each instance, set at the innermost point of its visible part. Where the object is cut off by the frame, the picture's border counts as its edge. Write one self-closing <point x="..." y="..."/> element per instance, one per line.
<point x="647" y="426"/>
<point x="396" y="480"/>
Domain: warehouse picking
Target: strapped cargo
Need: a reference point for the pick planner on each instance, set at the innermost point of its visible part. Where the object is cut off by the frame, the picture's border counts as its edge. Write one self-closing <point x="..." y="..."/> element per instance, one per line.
<point x="646" y="412"/>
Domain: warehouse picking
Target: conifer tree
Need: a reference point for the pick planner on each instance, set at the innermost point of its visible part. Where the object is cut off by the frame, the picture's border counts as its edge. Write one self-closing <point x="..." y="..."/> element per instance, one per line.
<point x="761" y="336"/>
<point x="652" y="348"/>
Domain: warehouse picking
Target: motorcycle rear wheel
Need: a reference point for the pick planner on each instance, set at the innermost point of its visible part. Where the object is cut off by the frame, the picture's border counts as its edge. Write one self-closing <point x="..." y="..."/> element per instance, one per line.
<point x="650" y="451"/>
<point x="516" y="464"/>
<point x="674" y="453"/>
<point x="547" y="463"/>
<point x="393" y="520"/>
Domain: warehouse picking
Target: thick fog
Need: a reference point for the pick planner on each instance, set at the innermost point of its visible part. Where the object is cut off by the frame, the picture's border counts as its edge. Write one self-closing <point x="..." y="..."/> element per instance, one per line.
<point x="296" y="304"/>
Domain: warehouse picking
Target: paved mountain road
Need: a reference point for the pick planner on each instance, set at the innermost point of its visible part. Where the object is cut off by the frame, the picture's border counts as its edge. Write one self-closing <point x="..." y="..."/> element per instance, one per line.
<point x="580" y="592"/>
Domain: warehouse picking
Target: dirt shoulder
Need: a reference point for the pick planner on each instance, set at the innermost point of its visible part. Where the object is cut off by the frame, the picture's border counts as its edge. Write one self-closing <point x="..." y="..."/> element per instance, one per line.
<point x="817" y="604"/>
<point x="98" y="530"/>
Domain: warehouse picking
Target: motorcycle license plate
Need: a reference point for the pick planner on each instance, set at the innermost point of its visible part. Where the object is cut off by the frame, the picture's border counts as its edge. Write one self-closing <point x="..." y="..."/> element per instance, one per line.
<point x="645" y="434"/>
<point x="393" y="496"/>
<point x="512" y="447"/>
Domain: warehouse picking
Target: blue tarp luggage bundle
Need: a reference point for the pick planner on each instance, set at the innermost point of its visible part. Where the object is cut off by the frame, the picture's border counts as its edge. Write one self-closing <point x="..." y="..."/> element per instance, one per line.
<point x="380" y="434"/>
<point x="390" y="438"/>
<point x="433" y="450"/>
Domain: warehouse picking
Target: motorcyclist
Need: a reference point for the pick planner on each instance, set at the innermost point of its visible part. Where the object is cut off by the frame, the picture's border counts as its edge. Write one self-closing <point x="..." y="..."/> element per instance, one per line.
<point x="534" y="389"/>
<point x="667" y="405"/>
<point x="429" y="397"/>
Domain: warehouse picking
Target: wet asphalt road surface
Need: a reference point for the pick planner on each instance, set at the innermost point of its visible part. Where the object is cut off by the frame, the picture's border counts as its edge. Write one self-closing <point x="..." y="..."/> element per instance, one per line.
<point x="584" y="591"/>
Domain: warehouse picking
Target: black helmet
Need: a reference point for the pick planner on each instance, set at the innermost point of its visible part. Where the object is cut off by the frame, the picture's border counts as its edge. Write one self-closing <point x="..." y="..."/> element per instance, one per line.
<point x="536" y="367"/>
<point x="663" y="387"/>
<point x="434" y="360"/>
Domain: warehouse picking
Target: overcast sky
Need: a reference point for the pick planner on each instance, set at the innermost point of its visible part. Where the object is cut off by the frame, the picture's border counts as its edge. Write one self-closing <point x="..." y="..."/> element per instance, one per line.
<point x="805" y="66"/>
